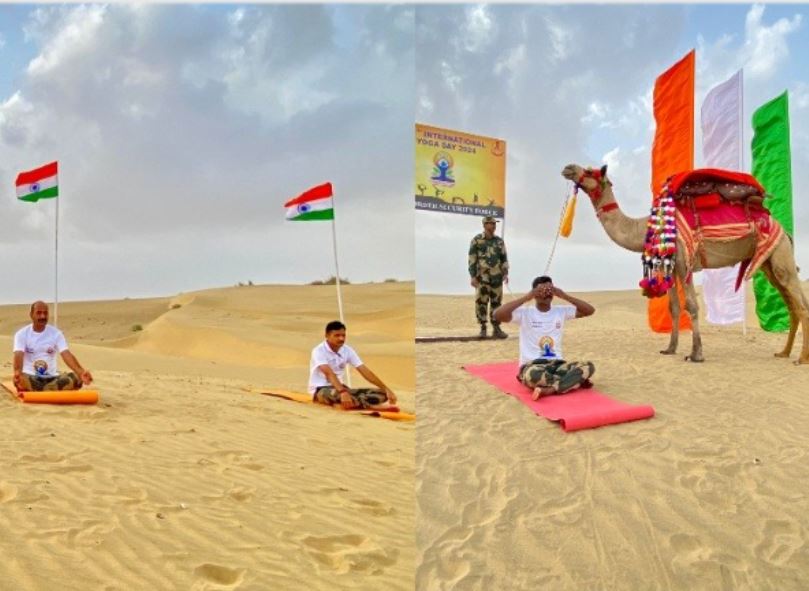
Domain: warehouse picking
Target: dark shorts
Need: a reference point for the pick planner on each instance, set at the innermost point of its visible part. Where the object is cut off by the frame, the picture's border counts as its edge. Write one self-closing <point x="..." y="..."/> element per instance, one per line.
<point x="64" y="381"/>
<point x="362" y="397"/>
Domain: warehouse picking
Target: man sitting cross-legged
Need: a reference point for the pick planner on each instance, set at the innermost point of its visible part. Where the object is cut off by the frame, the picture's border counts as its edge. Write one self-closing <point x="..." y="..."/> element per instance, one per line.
<point x="35" y="349"/>
<point x="327" y="368"/>
<point x="542" y="366"/>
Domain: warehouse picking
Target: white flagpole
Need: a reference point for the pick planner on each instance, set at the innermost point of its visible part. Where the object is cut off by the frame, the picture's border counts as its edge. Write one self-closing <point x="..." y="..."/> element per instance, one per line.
<point x="337" y="275"/>
<point x="56" y="267"/>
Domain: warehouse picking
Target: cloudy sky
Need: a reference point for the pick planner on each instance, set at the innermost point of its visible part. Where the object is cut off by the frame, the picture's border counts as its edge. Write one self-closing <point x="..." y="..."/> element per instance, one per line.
<point x="181" y="130"/>
<point x="574" y="84"/>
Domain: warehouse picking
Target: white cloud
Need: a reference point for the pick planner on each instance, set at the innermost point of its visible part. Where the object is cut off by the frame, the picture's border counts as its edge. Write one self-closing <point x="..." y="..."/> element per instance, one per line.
<point x="766" y="47"/>
<point x="73" y="37"/>
<point x="479" y="27"/>
<point x="561" y="40"/>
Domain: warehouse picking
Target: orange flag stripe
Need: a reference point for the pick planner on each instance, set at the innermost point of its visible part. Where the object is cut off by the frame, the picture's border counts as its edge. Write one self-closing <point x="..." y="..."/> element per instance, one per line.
<point x="672" y="152"/>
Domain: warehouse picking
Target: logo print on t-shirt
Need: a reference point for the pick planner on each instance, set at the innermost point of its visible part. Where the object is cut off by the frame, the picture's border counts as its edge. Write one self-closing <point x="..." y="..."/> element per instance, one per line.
<point x="546" y="344"/>
<point x="50" y="350"/>
<point x="41" y="367"/>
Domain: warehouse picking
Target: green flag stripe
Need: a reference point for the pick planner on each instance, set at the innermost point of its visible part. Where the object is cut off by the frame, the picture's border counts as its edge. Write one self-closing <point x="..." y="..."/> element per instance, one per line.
<point x="323" y="214"/>
<point x="46" y="194"/>
<point x="772" y="166"/>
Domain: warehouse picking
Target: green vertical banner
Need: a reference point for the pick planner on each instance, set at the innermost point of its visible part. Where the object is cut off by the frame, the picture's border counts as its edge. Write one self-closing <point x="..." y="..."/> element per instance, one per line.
<point x="772" y="166"/>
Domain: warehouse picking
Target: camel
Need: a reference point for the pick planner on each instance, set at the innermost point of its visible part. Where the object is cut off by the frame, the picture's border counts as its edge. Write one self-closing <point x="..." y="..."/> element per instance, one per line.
<point x="630" y="233"/>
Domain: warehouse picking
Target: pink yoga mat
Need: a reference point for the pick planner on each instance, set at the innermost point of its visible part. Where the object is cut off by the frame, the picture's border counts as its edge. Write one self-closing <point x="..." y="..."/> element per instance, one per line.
<point x="580" y="409"/>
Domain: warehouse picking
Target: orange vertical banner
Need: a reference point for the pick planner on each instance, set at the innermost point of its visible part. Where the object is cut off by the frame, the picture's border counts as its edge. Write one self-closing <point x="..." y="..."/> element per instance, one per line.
<point x="672" y="152"/>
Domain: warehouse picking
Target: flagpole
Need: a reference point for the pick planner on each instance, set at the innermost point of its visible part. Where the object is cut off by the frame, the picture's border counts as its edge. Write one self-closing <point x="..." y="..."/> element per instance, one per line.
<point x="337" y="275"/>
<point x="56" y="268"/>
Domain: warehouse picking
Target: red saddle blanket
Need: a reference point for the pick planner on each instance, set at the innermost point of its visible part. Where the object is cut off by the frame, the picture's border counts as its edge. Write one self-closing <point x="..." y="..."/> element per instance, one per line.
<point x="714" y="218"/>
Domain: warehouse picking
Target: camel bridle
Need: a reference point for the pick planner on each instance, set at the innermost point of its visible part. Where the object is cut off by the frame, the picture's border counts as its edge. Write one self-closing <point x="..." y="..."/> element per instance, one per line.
<point x="602" y="182"/>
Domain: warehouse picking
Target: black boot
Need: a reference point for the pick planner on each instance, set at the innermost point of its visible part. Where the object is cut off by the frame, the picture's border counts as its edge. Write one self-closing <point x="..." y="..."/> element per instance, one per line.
<point x="498" y="333"/>
<point x="483" y="332"/>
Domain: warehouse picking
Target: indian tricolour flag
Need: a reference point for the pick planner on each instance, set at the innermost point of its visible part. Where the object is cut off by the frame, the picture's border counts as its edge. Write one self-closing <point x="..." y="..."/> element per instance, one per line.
<point x="41" y="183"/>
<point x="314" y="204"/>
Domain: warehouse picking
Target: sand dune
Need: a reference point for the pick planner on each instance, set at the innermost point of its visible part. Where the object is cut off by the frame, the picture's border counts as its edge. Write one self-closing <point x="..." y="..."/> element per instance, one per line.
<point x="709" y="494"/>
<point x="183" y="479"/>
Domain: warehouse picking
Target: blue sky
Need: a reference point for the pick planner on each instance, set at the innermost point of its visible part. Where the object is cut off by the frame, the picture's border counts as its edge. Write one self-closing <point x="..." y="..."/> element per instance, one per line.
<point x="181" y="130"/>
<point x="574" y="84"/>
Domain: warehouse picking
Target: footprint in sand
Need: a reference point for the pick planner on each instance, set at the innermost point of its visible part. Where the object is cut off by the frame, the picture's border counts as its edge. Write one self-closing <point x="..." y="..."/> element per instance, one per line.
<point x="128" y="496"/>
<point x="374" y="507"/>
<point x="781" y="539"/>
<point x="350" y="553"/>
<point x="241" y="493"/>
<point x="221" y="575"/>
<point x="238" y="493"/>
<point x="7" y="492"/>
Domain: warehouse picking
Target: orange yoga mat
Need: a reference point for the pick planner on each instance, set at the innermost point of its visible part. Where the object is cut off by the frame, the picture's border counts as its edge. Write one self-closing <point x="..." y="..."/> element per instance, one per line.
<point x="391" y="413"/>
<point x="53" y="396"/>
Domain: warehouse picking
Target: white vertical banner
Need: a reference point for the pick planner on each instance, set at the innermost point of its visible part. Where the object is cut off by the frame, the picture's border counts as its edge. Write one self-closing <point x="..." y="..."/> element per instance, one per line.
<point x="722" y="148"/>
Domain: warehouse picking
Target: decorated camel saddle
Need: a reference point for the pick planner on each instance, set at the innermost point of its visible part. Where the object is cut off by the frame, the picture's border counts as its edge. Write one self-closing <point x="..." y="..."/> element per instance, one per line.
<point x="705" y="205"/>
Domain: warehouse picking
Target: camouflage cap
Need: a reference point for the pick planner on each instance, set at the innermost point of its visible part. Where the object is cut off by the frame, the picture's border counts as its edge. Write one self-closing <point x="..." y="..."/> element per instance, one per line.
<point x="490" y="218"/>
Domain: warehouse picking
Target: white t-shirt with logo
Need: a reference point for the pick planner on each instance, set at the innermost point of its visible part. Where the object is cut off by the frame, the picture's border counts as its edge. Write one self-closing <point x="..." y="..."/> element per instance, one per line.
<point x="40" y="349"/>
<point x="541" y="332"/>
<point x="323" y="355"/>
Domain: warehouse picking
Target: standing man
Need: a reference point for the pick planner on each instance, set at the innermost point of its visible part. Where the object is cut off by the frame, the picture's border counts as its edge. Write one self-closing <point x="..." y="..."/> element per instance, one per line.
<point x="35" y="349"/>
<point x="327" y="367"/>
<point x="488" y="269"/>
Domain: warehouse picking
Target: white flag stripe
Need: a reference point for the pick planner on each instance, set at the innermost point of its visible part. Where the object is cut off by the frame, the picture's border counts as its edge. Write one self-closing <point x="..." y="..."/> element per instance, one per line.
<point x="309" y="206"/>
<point x="722" y="148"/>
<point x="41" y="185"/>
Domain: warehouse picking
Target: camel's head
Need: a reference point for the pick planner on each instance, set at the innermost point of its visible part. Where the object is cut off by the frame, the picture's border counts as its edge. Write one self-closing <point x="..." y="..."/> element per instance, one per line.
<point x="592" y="181"/>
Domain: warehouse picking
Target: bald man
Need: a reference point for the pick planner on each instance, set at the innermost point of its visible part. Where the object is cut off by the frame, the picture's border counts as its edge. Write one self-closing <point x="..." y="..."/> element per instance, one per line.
<point x="35" y="348"/>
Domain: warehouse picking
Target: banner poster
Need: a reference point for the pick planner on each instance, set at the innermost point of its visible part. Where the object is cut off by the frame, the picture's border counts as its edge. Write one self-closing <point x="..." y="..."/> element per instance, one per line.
<point x="458" y="172"/>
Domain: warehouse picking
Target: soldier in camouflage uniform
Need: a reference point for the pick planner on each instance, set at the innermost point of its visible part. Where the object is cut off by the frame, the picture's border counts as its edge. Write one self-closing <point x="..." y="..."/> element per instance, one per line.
<point x="488" y="268"/>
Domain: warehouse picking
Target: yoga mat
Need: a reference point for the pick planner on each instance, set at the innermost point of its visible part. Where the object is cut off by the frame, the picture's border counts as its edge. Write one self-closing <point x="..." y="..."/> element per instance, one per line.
<point x="387" y="412"/>
<point x="53" y="396"/>
<point x="580" y="409"/>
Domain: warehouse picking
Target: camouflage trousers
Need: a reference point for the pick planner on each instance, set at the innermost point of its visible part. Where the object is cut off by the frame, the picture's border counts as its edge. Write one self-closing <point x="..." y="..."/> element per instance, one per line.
<point x="562" y="376"/>
<point x="64" y="381"/>
<point x="362" y="397"/>
<point x="487" y="300"/>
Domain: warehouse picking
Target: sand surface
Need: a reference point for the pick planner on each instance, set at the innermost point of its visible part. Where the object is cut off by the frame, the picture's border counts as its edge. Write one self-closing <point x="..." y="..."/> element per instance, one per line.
<point x="180" y="478"/>
<point x="709" y="494"/>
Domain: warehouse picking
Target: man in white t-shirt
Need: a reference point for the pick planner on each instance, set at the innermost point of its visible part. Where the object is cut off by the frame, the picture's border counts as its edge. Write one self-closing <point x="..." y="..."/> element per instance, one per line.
<point x="35" y="353"/>
<point x="542" y="364"/>
<point x="327" y="368"/>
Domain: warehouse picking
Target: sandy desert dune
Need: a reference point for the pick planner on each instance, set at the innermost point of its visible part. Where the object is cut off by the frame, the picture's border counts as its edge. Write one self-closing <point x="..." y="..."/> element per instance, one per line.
<point x="181" y="478"/>
<point x="709" y="494"/>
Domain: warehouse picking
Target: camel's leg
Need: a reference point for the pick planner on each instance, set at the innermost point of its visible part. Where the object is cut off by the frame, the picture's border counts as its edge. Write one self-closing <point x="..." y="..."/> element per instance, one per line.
<point x="786" y="273"/>
<point x="766" y="267"/>
<point x="692" y="306"/>
<point x="674" y="310"/>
